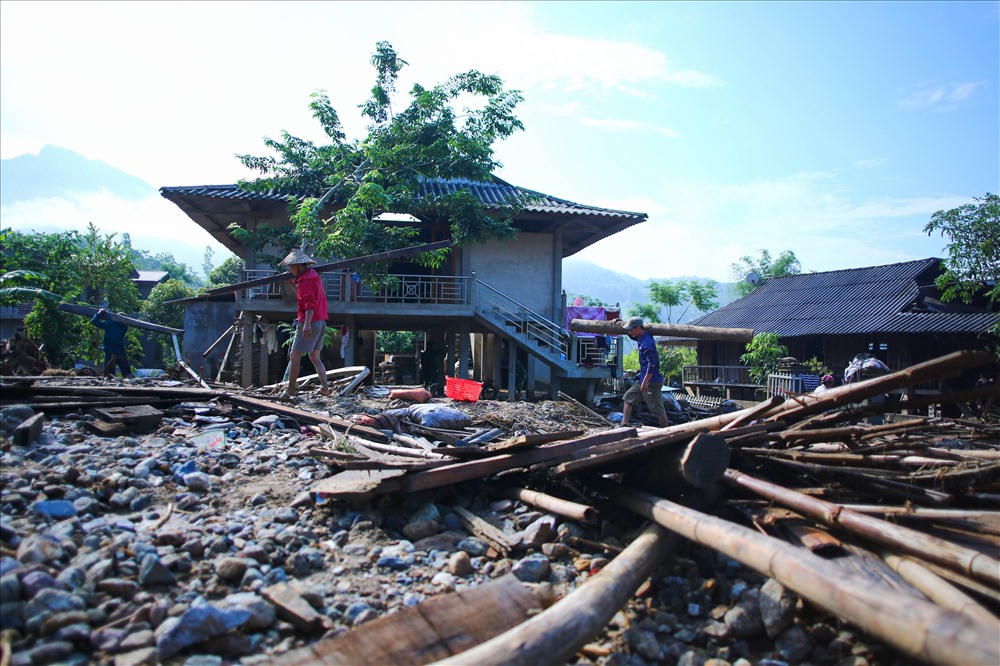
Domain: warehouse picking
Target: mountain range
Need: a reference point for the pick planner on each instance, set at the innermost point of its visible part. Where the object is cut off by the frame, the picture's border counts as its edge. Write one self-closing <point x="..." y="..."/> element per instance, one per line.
<point x="60" y="173"/>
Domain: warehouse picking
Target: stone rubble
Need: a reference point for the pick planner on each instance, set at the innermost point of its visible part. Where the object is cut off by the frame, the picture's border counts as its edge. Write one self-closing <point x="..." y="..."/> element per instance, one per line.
<point x="173" y="547"/>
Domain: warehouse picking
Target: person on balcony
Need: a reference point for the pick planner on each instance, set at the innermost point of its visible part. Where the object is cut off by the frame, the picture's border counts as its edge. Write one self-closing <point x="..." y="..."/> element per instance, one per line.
<point x="649" y="385"/>
<point x="312" y="314"/>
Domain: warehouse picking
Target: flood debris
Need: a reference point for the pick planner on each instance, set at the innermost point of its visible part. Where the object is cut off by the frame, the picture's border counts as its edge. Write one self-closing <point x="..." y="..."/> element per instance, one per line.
<point x="160" y="521"/>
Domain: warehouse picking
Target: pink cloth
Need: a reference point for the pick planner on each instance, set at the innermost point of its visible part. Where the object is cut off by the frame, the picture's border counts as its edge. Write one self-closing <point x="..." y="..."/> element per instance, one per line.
<point x="311" y="295"/>
<point x="588" y="313"/>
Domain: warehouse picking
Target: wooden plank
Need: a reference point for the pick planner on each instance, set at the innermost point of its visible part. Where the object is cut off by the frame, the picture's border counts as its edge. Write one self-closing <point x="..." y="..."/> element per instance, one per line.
<point x="28" y="430"/>
<point x="524" y="441"/>
<point x="291" y="607"/>
<point x="439" y="627"/>
<point x="136" y="417"/>
<point x="617" y="327"/>
<point x="484" y="530"/>
<point x="358" y="484"/>
<point x="308" y="417"/>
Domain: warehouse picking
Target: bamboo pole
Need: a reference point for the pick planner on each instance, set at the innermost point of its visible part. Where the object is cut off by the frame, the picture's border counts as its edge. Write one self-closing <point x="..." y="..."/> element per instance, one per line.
<point x="916" y="627"/>
<point x="555" y="634"/>
<point x="573" y="510"/>
<point x="333" y="266"/>
<point x="964" y="560"/>
<point x="617" y="327"/>
<point x="937" y="589"/>
<point x="86" y="311"/>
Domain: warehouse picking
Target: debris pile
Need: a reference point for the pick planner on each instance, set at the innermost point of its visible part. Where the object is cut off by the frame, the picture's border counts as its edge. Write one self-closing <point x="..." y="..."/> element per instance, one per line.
<point x="150" y="521"/>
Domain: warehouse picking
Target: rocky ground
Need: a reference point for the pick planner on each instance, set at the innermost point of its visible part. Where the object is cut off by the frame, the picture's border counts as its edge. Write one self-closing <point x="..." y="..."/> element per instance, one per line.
<point x="162" y="547"/>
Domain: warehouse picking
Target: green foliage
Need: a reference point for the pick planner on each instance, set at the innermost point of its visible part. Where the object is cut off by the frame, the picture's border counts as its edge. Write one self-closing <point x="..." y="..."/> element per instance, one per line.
<point x="649" y="313"/>
<point x="89" y="267"/>
<point x="228" y="272"/>
<point x="361" y="180"/>
<point x="762" y="355"/>
<point x="817" y="367"/>
<point x="589" y="301"/>
<point x="672" y="361"/>
<point x="785" y="264"/>
<point x="973" y="264"/>
<point x="395" y="342"/>
<point x="672" y="293"/>
<point x="158" y="310"/>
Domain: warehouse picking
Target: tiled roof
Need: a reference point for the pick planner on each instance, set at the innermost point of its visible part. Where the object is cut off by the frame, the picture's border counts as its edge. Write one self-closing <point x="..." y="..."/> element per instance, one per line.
<point x="876" y="299"/>
<point x="494" y="194"/>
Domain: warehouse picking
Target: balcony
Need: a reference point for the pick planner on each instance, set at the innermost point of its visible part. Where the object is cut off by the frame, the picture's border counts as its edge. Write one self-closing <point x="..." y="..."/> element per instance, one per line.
<point x="344" y="294"/>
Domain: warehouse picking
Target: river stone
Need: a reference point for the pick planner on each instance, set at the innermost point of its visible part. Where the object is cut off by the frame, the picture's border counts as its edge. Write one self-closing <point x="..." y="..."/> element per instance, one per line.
<point x="230" y="568"/>
<point x="53" y="600"/>
<point x="198" y="482"/>
<point x="39" y="548"/>
<point x="141" y="657"/>
<point x="777" y="607"/>
<point x="744" y="619"/>
<point x="420" y="529"/>
<point x="10" y="588"/>
<point x="152" y="573"/>
<point x="54" y="509"/>
<point x="793" y="644"/>
<point x="473" y="546"/>
<point x="138" y="639"/>
<point x="540" y="531"/>
<point x="532" y="569"/>
<point x="198" y="623"/>
<point x="262" y="612"/>
<point x="34" y="582"/>
<point x="645" y="643"/>
<point x="459" y="564"/>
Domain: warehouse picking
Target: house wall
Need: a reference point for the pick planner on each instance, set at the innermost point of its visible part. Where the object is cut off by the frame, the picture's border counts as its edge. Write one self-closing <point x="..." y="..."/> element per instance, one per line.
<point x="204" y="322"/>
<point x="520" y="268"/>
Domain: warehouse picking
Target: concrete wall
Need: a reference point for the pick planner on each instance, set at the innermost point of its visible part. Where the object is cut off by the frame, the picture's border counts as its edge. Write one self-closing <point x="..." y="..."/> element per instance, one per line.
<point x="204" y="322"/>
<point x="520" y="268"/>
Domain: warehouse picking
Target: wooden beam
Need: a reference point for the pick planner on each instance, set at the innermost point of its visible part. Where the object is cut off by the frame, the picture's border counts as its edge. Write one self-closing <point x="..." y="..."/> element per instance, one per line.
<point x="617" y="327"/>
<point x="87" y="311"/>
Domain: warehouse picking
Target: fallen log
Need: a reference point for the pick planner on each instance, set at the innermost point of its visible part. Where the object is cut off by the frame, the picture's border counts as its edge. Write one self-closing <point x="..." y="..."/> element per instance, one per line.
<point x="554" y="635"/>
<point x="937" y="589"/>
<point x="581" y="513"/>
<point x="916" y="627"/>
<point x="617" y="327"/>
<point x="969" y="562"/>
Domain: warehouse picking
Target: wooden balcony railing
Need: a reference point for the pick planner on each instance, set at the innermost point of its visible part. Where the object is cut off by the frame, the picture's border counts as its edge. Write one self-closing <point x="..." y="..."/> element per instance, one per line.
<point x="722" y="375"/>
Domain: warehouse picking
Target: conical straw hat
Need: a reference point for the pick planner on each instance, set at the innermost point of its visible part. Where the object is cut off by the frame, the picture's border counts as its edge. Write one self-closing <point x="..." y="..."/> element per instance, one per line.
<point x="296" y="257"/>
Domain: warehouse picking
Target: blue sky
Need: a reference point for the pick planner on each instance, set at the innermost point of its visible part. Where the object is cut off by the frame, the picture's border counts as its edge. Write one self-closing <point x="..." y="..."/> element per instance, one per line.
<point x="834" y="130"/>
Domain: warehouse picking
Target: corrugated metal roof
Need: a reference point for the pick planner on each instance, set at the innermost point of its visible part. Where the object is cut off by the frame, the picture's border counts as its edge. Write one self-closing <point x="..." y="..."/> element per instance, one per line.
<point x="492" y="195"/>
<point x="875" y="299"/>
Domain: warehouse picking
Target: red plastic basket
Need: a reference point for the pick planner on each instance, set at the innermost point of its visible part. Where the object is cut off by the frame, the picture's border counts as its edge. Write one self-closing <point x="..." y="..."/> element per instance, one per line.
<point x="462" y="389"/>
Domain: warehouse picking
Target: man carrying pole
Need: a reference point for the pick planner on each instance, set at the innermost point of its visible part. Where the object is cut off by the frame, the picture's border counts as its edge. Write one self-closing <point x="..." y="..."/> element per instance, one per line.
<point x="114" y="344"/>
<point x="312" y="315"/>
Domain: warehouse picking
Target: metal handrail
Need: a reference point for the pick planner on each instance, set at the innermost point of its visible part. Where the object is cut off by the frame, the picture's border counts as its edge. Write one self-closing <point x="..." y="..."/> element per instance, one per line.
<point x="397" y="288"/>
<point x="537" y="329"/>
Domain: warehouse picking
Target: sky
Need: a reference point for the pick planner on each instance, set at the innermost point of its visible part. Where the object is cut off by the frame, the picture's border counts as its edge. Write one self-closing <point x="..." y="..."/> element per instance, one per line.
<point x="832" y="130"/>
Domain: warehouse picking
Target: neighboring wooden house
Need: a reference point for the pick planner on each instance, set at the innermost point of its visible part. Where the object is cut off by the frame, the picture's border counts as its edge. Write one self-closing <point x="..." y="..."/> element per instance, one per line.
<point x="506" y="298"/>
<point x="893" y="312"/>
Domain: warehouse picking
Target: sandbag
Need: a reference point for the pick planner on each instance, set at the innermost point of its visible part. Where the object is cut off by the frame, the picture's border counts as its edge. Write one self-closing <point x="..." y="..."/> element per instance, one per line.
<point x="418" y="395"/>
<point x="434" y="415"/>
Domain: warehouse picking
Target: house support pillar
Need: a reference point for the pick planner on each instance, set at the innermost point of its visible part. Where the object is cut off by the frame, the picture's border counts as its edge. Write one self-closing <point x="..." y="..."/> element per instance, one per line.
<point x="497" y="373"/>
<point x="511" y="372"/>
<point x="350" y="354"/>
<point x="264" y="363"/>
<point x="247" y="335"/>
<point x="529" y="384"/>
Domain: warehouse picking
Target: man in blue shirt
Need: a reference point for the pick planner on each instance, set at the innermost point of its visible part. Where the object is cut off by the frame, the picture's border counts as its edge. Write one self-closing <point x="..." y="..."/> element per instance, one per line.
<point x="114" y="344"/>
<point x="649" y="384"/>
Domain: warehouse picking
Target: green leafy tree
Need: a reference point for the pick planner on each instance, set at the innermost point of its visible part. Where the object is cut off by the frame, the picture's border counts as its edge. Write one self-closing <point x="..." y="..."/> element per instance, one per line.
<point x="228" y="272"/>
<point x="672" y="361"/>
<point x="159" y="310"/>
<point x="762" y="355"/>
<point x="973" y="264"/>
<point x="786" y="263"/>
<point x="588" y="301"/>
<point x="670" y="294"/>
<point x="395" y="342"/>
<point x="406" y="144"/>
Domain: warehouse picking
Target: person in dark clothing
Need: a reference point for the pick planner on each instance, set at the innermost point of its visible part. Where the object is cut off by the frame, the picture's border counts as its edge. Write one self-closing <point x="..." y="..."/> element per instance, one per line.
<point x="114" y="344"/>
<point x="648" y="387"/>
<point x="430" y="367"/>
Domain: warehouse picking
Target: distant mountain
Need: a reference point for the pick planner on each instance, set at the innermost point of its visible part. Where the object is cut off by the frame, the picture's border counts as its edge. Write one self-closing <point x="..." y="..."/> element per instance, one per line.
<point x="55" y="172"/>
<point x="584" y="278"/>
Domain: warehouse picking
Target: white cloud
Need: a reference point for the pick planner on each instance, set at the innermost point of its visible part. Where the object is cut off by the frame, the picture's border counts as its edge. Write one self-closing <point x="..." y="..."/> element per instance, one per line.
<point x="701" y="229"/>
<point x="154" y="224"/>
<point x="872" y="163"/>
<point x="940" y="97"/>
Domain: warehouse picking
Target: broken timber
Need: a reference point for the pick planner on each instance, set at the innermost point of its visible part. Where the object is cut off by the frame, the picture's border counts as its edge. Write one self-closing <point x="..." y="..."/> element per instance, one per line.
<point x="87" y="311"/>
<point x="914" y="626"/>
<point x="617" y="327"/>
<point x="433" y="630"/>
